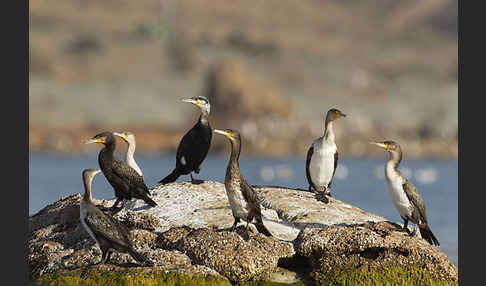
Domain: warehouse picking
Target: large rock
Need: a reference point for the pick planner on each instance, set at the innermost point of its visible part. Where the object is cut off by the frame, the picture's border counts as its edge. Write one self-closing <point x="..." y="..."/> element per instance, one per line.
<point x="188" y="232"/>
<point x="336" y="249"/>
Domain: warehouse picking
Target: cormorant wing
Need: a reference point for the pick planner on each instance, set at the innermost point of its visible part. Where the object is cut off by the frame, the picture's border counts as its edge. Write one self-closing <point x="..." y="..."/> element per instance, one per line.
<point x="186" y="148"/>
<point x="106" y="227"/>
<point x="250" y="195"/>
<point x="307" y="164"/>
<point x="128" y="175"/>
<point x="336" y="158"/>
<point x="416" y="200"/>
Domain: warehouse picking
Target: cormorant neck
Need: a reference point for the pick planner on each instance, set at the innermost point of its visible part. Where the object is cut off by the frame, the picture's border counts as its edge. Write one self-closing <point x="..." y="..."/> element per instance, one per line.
<point x="235" y="152"/>
<point x="109" y="149"/>
<point x="204" y="117"/>
<point x="329" y="131"/>
<point x="131" y="151"/>
<point x="394" y="159"/>
<point x="87" y="190"/>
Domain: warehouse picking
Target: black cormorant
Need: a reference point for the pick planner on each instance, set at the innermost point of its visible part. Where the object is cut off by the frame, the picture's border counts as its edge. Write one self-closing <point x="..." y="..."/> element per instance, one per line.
<point x="403" y="193"/>
<point x="106" y="231"/>
<point x="129" y="137"/>
<point x="194" y="146"/>
<point x="322" y="157"/>
<point x="242" y="197"/>
<point x="126" y="182"/>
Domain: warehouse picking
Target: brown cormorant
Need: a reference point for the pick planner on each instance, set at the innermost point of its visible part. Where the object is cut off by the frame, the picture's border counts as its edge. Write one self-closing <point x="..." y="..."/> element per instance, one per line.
<point x="322" y="158"/>
<point x="126" y="182"/>
<point x="106" y="231"/>
<point x="194" y="146"/>
<point x="242" y="197"/>
<point x="129" y="137"/>
<point x="403" y="193"/>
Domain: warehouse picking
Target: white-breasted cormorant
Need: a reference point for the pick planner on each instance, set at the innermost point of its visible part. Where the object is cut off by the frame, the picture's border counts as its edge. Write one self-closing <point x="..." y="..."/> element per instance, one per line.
<point x="129" y="137"/>
<point x="106" y="231"/>
<point x="403" y="193"/>
<point x="126" y="182"/>
<point x="242" y="197"/>
<point x="194" y="146"/>
<point x="322" y="157"/>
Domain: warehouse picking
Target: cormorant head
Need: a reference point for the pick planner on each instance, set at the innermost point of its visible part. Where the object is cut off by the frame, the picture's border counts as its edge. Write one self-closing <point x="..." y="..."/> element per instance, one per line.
<point x="334" y="114"/>
<point x="128" y="136"/>
<point x="201" y="101"/>
<point x="88" y="175"/>
<point x="231" y="134"/>
<point x="390" y="146"/>
<point x="103" y="137"/>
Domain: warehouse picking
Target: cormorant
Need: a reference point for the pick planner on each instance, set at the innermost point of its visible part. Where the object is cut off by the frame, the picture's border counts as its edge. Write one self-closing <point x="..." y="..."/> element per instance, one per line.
<point x="129" y="137"/>
<point x="242" y="197"/>
<point x="126" y="182"/>
<point x="322" y="157"/>
<point x="106" y="231"/>
<point x="194" y="146"/>
<point x="403" y="193"/>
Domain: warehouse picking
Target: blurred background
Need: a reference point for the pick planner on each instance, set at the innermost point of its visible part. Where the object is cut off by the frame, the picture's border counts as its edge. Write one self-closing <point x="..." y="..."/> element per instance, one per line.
<point x="270" y="69"/>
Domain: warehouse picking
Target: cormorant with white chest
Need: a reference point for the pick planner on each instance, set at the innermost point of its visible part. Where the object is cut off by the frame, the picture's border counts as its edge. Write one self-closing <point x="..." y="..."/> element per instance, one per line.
<point x="242" y="197"/>
<point x="105" y="230"/>
<point x="322" y="157"/>
<point x="129" y="137"/>
<point x="126" y="182"/>
<point x="403" y="193"/>
<point x="194" y="146"/>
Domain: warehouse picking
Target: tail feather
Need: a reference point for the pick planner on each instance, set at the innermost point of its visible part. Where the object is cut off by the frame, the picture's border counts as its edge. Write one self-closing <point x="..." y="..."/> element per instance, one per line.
<point x="170" y="178"/>
<point x="261" y="228"/>
<point x="149" y="201"/>
<point x="140" y="258"/>
<point x="428" y="235"/>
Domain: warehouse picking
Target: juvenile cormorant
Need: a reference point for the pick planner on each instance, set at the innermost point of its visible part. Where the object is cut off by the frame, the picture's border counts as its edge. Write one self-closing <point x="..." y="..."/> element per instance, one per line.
<point x="242" y="197"/>
<point x="106" y="231"/>
<point x="194" y="146"/>
<point x="322" y="158"/>
<point x="126" y="182"/>
<point x="403" y="193"/>
<point x="129" y="137"/>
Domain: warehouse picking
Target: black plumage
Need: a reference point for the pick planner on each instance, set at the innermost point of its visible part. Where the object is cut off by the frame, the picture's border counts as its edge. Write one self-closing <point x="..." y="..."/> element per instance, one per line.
<point x="108" y="233"/>
<point x="126" y="182"/>
<point x="243" y="199"/>
<point x="194" y="145"/>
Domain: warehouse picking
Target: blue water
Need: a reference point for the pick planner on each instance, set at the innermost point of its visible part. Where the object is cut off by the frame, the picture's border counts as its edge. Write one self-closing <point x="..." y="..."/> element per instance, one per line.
<point x="358" y="181"/>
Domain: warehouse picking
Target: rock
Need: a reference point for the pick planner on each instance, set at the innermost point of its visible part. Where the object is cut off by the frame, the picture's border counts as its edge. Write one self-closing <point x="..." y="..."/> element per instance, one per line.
<point x="228" y="253"/>
<point x="188" y="233"/>
<point x="341" y="248"/>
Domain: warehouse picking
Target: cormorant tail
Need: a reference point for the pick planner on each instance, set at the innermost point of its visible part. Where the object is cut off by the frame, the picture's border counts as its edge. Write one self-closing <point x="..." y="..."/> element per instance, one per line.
<point x="149" y="201"/>
<point x="428" y="235"/>
<point x="261" y="227"/>
<point x="170" y="178"/>
<point x="140" y="258"/>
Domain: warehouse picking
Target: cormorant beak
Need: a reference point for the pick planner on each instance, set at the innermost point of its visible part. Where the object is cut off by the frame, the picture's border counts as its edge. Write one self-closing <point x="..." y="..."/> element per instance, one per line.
<point x="190" y="100"/>
<point x="341" y="115"/>
<point x="382" y="145"/>
<point x="94" y="140"/>
<point x="227" y="134"/>
<point x="122" y="135"/>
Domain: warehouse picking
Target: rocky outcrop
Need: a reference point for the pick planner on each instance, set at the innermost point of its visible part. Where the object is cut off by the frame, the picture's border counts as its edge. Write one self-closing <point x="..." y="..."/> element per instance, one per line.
<point x="188" y="232"/>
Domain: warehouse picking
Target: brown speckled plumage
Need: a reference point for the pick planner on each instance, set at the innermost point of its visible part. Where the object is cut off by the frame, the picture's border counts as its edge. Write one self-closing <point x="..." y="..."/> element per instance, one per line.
<point x="242" y="197"/>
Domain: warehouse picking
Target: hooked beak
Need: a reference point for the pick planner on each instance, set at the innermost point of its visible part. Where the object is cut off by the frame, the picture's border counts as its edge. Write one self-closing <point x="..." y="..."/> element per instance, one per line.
<point x="122" y="135"/>
<point x="93" y="140"/>
<point x="382" y="145"/>
<point x="227" y="134"/>
<point x="190" y="100"/>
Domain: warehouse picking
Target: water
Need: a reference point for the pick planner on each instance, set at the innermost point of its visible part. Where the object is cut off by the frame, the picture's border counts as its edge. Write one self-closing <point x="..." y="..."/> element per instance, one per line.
<point x="358" y="181"/>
